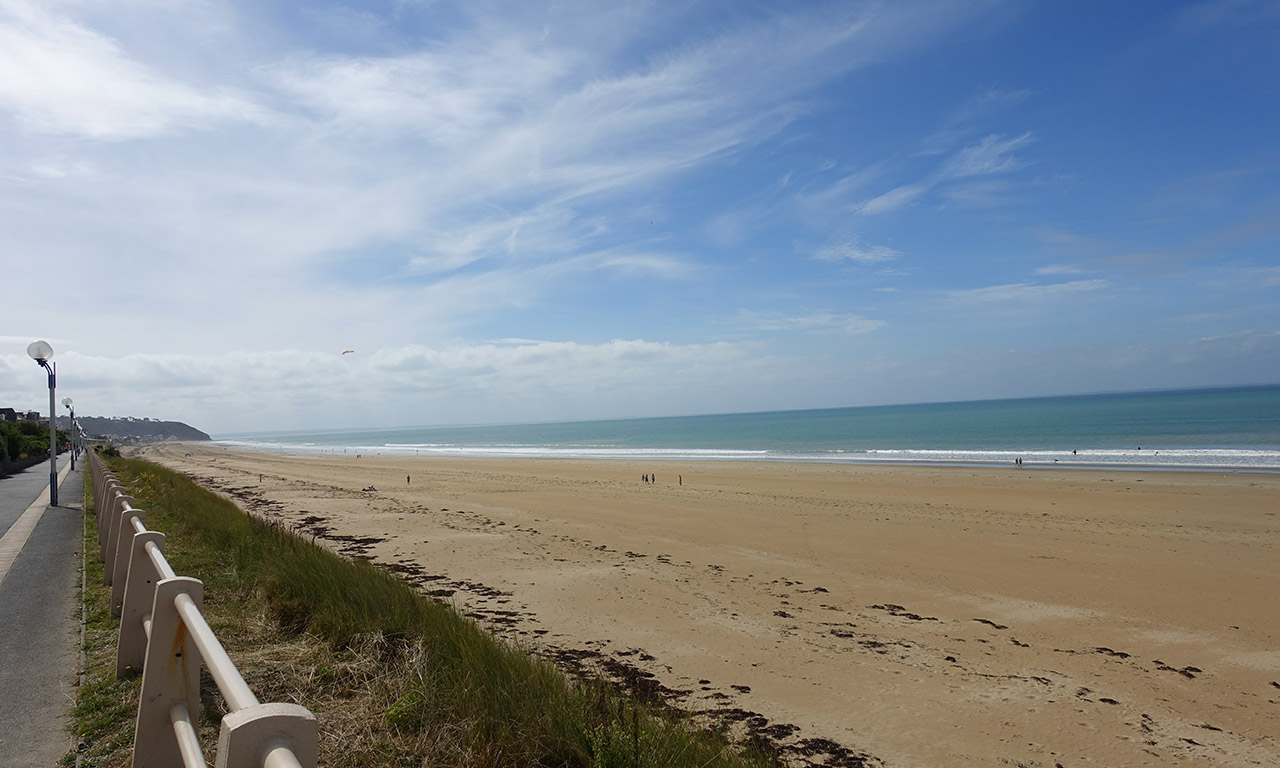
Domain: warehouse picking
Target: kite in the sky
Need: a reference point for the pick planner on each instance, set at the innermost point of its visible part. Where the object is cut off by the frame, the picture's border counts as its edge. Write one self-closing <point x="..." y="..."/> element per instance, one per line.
<point x="346" y="352"/>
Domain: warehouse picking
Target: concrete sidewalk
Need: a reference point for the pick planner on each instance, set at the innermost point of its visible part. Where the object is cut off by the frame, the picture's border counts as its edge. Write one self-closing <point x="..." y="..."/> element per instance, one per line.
<point x="39" y="613"/>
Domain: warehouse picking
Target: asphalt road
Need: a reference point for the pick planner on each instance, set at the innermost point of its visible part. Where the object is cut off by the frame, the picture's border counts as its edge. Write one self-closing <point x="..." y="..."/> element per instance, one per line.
<point x="39" y="620"/>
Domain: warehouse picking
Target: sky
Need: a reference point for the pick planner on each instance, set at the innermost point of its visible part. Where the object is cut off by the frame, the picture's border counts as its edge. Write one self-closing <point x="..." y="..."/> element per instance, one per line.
<point x="543" y="211"/>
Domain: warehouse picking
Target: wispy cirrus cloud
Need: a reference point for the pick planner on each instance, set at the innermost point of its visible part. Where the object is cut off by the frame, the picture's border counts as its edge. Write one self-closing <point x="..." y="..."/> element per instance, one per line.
<point x="1025" y="294"/>
<point x="60" y="77"/>
<point x="819" y="321"/>
<point x="1059" y="269"/>
<point x="892" y="200"/>
<point x="857" y="252"/>
<point x="1268" y="276"/>
<point x="993" y="155"/>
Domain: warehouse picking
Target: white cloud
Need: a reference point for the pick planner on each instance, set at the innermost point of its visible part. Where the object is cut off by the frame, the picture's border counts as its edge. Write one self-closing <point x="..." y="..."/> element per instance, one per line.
<point x="1059" y="269"/>
<point x="857" y="252"/>
<point x="1025" y="293"/>
<point x="510" y="380"/>
<point x="994" y="154"/>
<point x="813" y="322"/>
<point x="431" y="185"/>
<point x="60" y="77"/>
<point x="640" y="264"/>
<point x="892" y="200"/>
<point x="1268" y="276"/>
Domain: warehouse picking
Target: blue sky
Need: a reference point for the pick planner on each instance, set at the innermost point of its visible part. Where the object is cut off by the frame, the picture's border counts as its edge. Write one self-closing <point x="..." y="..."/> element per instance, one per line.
<point x="557" y="210"/>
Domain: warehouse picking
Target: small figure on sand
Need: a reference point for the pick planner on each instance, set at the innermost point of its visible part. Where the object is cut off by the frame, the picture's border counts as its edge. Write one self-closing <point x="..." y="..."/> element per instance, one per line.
<point x="406" y="479"/>
<point x="370" y="489"/>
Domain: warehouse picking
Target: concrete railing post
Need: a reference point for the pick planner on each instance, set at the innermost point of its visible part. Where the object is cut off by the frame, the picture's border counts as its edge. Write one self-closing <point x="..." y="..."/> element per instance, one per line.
<point x="100" y="478"/>
<point x="104" y="505"/>
<point x="135" y="606"/>
<point x="122" y="561"/>
<point x="170" y="676"/>
<point x="115" y="518"/>
<point x="250" y="735"/>
<point x="120" y="558"/>
<point x="95" y="474"/>
<point x="107" y="510"/>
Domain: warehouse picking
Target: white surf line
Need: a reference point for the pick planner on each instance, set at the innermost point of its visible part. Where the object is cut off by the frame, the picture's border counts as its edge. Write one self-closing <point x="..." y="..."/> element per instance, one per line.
<point x="16" y="537"/>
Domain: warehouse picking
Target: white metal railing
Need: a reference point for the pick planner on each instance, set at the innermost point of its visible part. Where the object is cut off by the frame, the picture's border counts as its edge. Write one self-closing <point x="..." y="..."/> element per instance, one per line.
<point x="164" y="636"/>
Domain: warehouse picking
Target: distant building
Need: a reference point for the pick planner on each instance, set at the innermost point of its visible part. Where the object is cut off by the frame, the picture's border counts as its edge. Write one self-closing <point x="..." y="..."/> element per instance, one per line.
<point x="8" y="414"/>
<point x="32" y="416"/>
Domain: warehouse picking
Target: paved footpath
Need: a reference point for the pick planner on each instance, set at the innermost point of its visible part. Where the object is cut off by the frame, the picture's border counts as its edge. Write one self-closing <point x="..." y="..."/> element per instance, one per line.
<point x="39" y="614"/>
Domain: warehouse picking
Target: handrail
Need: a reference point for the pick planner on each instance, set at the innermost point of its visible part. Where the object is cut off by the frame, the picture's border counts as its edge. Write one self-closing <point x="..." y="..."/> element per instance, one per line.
<point x="165" y="637"/>
<point x="157" y="558"/>
<point x="234" y="689"/>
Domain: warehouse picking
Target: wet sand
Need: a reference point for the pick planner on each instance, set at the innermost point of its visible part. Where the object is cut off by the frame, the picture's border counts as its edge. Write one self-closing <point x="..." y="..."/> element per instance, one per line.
<point x="863" y="615"/>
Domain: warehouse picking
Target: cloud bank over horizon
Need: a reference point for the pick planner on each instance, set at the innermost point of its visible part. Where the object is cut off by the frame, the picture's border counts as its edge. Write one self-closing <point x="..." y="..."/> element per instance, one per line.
<point x="563" y="211"/>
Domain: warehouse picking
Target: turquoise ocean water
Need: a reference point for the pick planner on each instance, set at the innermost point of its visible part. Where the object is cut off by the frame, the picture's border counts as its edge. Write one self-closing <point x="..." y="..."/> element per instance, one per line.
<point x="1227" y="428"/>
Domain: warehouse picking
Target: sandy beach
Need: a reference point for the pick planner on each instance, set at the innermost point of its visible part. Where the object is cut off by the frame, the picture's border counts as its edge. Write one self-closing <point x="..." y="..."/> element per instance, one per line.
<point x="897" y="615"/>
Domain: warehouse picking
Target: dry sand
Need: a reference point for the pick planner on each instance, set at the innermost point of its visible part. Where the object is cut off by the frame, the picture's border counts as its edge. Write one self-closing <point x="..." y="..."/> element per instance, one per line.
<point x="913" y="616"/>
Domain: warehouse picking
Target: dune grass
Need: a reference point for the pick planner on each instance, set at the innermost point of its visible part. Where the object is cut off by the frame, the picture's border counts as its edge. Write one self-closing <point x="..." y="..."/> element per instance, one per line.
<point x="395" y="678"/>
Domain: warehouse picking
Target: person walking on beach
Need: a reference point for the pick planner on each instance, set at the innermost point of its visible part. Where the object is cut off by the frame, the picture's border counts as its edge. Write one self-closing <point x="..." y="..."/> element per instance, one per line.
<point x="406" y="479"/>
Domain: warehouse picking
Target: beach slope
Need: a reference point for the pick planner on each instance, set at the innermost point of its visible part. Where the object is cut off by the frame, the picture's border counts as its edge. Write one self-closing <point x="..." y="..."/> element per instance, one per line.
<point x="903" y="616"/>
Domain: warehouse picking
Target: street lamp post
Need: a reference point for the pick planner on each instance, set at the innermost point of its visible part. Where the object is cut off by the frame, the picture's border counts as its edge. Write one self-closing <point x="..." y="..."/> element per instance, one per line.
<point x="72" y="431"/>
<point x="40" y="351"/>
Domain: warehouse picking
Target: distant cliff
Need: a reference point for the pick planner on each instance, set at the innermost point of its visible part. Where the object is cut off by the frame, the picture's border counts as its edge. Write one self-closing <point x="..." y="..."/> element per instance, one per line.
<point x="131" y="430"/>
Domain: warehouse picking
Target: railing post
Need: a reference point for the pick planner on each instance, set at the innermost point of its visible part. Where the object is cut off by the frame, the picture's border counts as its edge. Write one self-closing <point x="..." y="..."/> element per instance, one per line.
<point x="139" y="597"/>
<point x="171" y="675"/>
<point x="100" y="494"/>
<point x="106" y="504"/>
<point x="115" y="519"/>
<point x="95" y="472"/>
<point x="249" y="735"/>
<point x="99" y="478"/>
<point x="121" y="559"/>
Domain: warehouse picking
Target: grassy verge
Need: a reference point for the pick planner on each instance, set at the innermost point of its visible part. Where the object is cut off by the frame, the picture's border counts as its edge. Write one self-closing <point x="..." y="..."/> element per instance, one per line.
<point x="105" y="708"/>
<point x="395" y="678"/>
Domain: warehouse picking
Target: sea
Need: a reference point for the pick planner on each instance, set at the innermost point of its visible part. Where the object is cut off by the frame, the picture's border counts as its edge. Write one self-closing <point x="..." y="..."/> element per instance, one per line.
<point x="1235" y="428"/>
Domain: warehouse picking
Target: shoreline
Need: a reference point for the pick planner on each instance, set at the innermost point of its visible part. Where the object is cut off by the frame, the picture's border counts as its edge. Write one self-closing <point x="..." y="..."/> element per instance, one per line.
<point x="693" y="456"/>
<point x="920" y="615"/>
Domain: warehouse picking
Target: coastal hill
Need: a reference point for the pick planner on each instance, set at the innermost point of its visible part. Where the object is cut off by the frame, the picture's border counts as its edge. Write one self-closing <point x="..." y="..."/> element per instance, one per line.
<point x="132" y="430"/>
